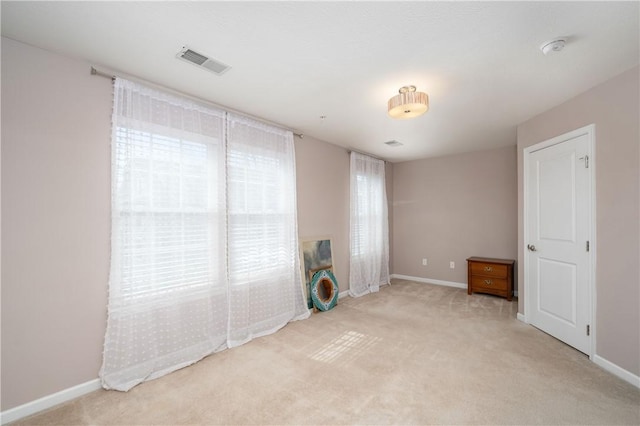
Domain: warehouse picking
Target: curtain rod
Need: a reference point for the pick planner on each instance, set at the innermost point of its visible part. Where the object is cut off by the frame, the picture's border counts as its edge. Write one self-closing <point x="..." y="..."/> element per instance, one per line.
<point x="349" y="151"/>
<point x="113" y="77"/>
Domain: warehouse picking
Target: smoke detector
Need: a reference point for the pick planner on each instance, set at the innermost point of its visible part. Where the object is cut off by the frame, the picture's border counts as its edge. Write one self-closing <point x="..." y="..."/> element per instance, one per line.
<point x="393" y="143"/>
<point x="554" y="45"/>
<point x="202" y="61"/>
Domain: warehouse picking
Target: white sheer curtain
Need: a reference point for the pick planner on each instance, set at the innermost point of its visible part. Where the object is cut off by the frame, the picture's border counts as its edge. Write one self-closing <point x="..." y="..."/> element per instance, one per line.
<point x="369" y="264"/>
<point x="176" y="290"/>
<point x="265" y="289"/>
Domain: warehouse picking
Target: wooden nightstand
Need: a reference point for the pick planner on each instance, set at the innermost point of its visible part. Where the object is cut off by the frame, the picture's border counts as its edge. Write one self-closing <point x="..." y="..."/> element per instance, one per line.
<point x="493" y="276"/>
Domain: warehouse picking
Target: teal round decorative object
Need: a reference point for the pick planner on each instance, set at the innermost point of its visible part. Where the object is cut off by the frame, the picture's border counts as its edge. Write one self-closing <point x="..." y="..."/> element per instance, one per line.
<point x="324" y="290"/>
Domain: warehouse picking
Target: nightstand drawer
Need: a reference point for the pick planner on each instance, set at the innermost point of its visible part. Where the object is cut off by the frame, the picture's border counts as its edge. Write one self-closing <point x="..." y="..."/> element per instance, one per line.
<point x="479" y="283"/>
<point x="490" y="275"/>
<point x="489" y="270"/>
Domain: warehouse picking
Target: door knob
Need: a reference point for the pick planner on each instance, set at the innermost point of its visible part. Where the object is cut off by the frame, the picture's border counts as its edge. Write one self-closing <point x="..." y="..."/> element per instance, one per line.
<point x="531" y="247"/>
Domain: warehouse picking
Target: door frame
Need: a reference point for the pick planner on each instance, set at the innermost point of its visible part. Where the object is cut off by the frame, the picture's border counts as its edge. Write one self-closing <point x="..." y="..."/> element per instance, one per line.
<point x="590" y="132"/>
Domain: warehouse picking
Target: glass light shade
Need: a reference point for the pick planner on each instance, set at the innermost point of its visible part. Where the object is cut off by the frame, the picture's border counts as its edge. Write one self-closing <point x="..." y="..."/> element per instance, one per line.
<point x="408" y="105"/>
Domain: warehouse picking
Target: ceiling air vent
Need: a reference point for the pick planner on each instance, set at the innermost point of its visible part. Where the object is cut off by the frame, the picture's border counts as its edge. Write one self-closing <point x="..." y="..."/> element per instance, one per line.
<point x="393" y="143"/>
<point x="203" y="61"/>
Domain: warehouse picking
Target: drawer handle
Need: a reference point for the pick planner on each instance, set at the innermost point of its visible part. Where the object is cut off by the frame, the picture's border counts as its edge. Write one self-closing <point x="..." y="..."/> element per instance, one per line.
<point x="488" y="282"/>
<point x="488" y="269"/>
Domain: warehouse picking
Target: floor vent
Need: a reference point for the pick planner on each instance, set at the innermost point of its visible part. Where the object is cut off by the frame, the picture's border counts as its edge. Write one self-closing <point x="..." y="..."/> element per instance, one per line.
<point x="203" y="61"/>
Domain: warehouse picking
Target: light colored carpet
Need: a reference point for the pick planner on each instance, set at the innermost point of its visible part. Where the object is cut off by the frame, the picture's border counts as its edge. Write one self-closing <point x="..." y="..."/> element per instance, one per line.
<point x="411" y="354"/>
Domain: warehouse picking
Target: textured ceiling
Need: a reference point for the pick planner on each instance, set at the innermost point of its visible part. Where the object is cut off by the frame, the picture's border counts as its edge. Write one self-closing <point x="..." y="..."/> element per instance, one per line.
<point x="293" y="62"/>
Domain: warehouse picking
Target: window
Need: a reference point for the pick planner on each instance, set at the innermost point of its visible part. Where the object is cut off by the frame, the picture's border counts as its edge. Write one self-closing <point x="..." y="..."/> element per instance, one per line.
<point x="258" y="219"/>
<point x="369" y="264"/>
<point x="368" y="210"/>
<point x="168" y="203"/>
<point x="204" y="247"/>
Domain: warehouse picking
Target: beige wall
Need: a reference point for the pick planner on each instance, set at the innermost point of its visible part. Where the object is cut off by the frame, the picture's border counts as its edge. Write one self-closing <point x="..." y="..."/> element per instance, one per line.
<point x="56" y="208"/>
<point x="614" y="108"/>
<point x="323" y="199"/>
<point x="451" y="208"/>
<point x="55" y="222"/>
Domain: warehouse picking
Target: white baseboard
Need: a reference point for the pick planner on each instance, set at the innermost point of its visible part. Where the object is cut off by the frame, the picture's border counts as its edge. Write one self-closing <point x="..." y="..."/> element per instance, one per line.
<point x="607" y="365"/>
<point x="49" y="401"/>
<point x="430" y="281"/>
<point x="616" y="370"/>
<point x="346" y="292"/>
<point x="437" y="282"/>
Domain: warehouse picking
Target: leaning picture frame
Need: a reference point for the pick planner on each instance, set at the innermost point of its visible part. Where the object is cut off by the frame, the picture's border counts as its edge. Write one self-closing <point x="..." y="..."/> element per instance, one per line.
<point x="315" y="255"/>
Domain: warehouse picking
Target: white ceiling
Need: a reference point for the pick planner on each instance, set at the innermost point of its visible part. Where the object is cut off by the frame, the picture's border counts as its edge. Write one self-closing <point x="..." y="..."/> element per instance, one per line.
<point x="293" y="62"/>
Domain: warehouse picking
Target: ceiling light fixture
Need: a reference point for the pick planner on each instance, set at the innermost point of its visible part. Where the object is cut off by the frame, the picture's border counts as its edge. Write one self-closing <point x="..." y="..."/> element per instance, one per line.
<point x="408" y="103"/>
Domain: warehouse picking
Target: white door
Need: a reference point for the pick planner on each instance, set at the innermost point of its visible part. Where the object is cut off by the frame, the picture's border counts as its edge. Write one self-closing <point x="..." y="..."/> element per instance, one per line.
<point x="559" y="247"/>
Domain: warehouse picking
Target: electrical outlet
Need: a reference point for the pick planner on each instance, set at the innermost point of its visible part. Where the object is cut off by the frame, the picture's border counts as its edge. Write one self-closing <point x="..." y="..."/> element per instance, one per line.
<point x="452" y="264"/>
<point x="424" y="262"/>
